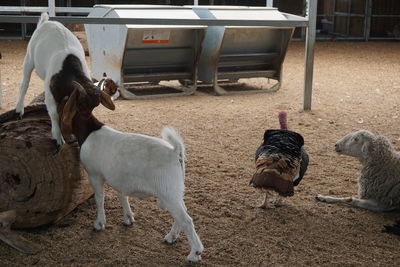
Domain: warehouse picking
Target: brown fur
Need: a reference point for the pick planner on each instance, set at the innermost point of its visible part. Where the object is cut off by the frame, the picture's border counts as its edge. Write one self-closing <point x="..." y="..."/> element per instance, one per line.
<point x="77" y="117"/>
<point x="110" y="87"/>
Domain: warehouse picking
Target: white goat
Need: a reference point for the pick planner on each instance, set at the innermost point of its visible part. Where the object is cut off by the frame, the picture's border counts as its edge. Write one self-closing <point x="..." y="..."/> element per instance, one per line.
<point x="133" y="164"/>
<point x="379" y="183"/>
<point x="56" y="54"/>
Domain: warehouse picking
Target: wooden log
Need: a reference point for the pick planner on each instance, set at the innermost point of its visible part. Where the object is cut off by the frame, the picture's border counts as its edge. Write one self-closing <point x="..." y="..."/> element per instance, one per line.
<point x="11" y="238"/>
<point x="39" y="181"/>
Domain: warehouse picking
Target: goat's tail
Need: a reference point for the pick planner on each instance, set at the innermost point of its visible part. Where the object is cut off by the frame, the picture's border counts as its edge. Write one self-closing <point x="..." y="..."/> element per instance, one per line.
<point x="43" y="18"/>
<point x="170" y="135"/>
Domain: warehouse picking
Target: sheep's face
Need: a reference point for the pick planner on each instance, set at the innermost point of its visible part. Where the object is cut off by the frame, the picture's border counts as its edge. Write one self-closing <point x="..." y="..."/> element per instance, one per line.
<point x="354" y="144"/>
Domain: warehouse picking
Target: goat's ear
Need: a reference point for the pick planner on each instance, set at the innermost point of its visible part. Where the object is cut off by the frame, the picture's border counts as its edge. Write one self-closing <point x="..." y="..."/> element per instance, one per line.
<point x="106" y="101"/>
<point x="68" y="114"/>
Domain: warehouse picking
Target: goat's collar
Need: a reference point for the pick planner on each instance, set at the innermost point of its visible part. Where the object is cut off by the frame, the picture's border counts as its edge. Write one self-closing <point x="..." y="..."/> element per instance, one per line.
<point x="101" y="84"/>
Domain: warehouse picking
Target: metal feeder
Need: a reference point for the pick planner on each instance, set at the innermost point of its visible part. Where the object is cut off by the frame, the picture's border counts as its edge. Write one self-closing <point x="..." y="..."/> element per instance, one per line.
<point x="231" y="52"/>
<point x="137" y="54"/>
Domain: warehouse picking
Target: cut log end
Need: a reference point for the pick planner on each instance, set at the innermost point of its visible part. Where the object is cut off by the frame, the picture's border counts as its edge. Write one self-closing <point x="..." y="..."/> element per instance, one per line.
<point x="37" y="180"/>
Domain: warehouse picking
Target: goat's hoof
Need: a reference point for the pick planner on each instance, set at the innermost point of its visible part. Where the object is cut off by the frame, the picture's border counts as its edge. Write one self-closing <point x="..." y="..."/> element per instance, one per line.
<point x="99" y="226"/>
<point x="196" y="257"/>
<point x="20" y="113"/>
<point x="170" y="239"/>
<point x="128" y="221"/>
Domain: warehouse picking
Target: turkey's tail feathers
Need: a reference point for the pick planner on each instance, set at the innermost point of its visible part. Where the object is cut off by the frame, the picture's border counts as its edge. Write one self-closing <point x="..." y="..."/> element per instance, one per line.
<point x="303" y="166"/>
<point x="275" y="173"/>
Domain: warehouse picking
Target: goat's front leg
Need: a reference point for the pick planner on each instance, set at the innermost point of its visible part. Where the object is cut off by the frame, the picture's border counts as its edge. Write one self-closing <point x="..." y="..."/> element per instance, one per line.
<point x="182" y="219"/>
<point x="53" y="114"/>
<point x="128" y="214"/>
<point x="98" y="188"/>
<point x="27" y="72"/>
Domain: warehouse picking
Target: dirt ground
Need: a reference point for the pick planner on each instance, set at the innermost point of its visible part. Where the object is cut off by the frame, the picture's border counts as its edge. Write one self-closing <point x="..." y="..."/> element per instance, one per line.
<point x="356" y="86"/>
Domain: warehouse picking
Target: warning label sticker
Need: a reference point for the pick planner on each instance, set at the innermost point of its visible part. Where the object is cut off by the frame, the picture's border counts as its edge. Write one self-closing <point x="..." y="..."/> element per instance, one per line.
<point x="155" y="37"/>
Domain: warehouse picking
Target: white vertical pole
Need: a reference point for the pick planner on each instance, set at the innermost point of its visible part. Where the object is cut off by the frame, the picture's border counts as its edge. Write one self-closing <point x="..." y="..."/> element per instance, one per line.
<point x="309" y="52"/>
<point x="196" y="2"/>
<point x="52" y="8"/>
<point x="269" y="3"/>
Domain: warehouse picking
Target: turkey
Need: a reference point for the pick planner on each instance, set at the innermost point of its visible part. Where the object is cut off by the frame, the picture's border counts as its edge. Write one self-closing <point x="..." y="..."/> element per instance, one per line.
<point x="281" y="161"/>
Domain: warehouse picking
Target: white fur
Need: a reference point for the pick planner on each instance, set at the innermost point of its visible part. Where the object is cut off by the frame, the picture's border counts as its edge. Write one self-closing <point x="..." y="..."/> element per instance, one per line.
<point x="140" y="166"/>
<point x="50" y="44"/>
<point x="379" y="183"/>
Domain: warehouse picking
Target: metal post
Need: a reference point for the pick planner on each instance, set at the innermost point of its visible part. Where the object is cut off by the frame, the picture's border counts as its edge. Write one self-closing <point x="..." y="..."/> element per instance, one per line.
<point x="52" y="8"/>
<point x="196" y="2"/>
<point x="309" y="53"/>
<point x="1" y="91"/>
<point x="269" y="3"/>
<point x="368" y="15"/>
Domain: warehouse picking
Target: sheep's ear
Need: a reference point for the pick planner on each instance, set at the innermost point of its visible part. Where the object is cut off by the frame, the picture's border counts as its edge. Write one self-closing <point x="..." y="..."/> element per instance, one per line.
<point x="68" y="113"/>
<point x="365" y="149"/>
<point x="106" y="101"/>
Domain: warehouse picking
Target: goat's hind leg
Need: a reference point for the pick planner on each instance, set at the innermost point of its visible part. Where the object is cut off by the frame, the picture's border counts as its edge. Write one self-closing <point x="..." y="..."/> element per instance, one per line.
<point x="182" y="219"/>
<point x="27" y="72"/>
<point x="173" y="234"/>
<point x="128" y="214"/>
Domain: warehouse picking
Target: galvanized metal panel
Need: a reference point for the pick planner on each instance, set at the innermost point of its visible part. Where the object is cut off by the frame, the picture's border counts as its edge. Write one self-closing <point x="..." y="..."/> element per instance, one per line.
<point x="106" y="46"/>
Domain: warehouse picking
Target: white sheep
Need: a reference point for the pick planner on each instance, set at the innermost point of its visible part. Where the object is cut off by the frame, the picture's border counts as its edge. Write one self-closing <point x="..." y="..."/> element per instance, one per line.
<point x="59" y="59"/>
<point x="379" y="183"/>
<point x="134" y="165"/>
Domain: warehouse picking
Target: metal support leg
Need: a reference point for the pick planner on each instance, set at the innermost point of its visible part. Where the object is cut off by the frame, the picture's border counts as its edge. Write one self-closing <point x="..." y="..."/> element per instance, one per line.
<point x="52" y="8"/>
<point x="309" y="55"/>
<point x="1" y="92"/>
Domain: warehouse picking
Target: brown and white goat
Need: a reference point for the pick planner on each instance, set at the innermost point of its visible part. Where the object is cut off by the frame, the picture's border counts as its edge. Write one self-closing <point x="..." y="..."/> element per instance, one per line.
<point x="134" y="165"/>
<point x="58" y="58"/>
<point x="108" y="86"/>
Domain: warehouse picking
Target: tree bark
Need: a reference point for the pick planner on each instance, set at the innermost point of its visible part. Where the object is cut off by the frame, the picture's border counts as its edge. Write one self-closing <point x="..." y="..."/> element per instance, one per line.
<point x="39" y="181"/>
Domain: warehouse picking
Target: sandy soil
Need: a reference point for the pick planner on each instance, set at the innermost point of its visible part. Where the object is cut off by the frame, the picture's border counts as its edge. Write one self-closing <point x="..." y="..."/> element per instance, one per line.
<point x="356" y="85"/>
